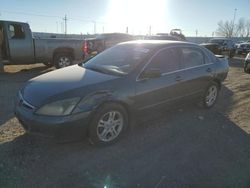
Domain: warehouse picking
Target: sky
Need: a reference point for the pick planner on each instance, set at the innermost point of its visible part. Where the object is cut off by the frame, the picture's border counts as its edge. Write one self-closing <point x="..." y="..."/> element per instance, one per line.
<point x="90" y="16"/>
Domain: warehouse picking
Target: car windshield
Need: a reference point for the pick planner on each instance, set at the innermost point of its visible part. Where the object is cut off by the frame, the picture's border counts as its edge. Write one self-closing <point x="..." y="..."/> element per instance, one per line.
<point x="119" y="60"/>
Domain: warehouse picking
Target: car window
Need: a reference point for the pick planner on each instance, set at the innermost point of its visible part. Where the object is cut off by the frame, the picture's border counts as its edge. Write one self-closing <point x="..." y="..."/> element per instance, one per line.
<point x="16" y="31"/>
<point x="191" y="57"/>
<point x="166" y="60"/>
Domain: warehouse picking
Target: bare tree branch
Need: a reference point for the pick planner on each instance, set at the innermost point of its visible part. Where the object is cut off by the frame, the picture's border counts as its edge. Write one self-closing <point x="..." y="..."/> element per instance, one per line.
<point x="228" y="29"/>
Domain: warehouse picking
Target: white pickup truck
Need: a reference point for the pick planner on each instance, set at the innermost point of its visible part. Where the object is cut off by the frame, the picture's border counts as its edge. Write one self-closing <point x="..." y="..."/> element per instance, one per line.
<point x="247" y="63"/>
<point x="19" y="47"/>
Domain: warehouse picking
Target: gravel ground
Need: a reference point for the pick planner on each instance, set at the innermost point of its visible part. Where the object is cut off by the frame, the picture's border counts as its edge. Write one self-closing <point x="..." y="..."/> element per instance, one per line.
<point x="186" y="147"/>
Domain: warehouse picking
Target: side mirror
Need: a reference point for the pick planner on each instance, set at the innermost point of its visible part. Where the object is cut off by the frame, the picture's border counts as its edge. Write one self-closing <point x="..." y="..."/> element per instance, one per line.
<point x="151" y="73"/>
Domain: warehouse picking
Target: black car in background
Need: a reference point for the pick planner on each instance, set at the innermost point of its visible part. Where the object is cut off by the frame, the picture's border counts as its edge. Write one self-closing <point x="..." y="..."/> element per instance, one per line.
<point x="175" y="34"/>
<point x="221" y="46"/>
<point x="93" y="46"/>
<point x="100" y="97"/>
<point x="161" y="37"/>
<point x="243" y="48"/>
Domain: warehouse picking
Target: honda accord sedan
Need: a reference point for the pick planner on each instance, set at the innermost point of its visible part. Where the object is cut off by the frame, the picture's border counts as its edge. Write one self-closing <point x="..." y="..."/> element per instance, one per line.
<point x="98" y="98"/>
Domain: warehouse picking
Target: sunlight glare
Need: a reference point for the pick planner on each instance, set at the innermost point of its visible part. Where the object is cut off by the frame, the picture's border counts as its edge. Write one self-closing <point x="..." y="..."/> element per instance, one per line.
<point x="138" y="15"/>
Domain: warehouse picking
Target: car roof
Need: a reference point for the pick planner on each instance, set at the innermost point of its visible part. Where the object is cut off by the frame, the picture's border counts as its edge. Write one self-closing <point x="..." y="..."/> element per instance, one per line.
<point x="158" y="43"/>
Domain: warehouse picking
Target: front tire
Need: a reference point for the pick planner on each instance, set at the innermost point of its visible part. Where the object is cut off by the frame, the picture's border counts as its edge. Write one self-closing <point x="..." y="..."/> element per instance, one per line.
<point x="108" y="125"/>
<point x="211" y="95"/>
<point x="62" y="60"/>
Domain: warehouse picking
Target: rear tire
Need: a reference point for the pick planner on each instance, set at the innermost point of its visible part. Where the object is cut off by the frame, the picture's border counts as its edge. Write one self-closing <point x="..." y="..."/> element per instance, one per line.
<point x="62" y="60"/>
<point x="108" y="125"/>
<point x="210" y="96"/>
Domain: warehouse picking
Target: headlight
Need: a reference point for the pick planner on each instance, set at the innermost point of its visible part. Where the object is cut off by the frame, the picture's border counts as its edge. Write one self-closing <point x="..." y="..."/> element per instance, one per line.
<point x="58" y="108"/>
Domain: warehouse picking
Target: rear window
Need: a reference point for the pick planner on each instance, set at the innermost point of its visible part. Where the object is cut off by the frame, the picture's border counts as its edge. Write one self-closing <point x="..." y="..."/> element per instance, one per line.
<point x="192" y="57"/>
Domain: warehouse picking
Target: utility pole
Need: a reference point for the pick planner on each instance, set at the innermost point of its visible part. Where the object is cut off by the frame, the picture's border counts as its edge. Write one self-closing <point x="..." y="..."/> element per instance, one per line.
<point x="65" y="19"/>
<point x="196" y="35"/>
<point x="56" y="27"/>
<point x="94" y="26"/>
<point x="235" y="10"/>
<point x="127" y="29"/>
<point x="149" y="32"/>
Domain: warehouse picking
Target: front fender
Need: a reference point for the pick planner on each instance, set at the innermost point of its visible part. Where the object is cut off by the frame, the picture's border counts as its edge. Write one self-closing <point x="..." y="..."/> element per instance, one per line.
<point x="92" y="101"/>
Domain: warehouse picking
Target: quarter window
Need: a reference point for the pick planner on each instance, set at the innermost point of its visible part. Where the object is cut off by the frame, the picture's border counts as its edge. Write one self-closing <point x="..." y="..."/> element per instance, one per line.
<point x="191" y="57"/>
<point x="166" y="60"/>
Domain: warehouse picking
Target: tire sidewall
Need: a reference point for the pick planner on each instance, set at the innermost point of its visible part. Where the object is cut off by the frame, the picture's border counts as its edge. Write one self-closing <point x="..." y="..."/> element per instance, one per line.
<point x="205" y="94"/>
<point x="92" y="131"/>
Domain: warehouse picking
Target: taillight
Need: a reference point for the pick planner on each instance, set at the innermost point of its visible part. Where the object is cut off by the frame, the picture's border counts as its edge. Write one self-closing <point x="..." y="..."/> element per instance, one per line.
<point x="85" y="47"/>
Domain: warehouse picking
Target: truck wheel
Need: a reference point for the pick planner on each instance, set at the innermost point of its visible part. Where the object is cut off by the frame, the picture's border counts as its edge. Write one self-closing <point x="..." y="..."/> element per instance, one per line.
<point x="62" y="60"/>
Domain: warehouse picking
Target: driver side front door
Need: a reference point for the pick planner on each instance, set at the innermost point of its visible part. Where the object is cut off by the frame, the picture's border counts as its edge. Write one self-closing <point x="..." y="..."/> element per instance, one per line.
<point x="162" y="90"/>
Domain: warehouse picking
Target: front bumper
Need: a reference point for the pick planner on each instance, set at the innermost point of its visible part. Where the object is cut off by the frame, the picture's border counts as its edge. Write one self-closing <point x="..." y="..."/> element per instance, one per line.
<point x="65" y="128"/>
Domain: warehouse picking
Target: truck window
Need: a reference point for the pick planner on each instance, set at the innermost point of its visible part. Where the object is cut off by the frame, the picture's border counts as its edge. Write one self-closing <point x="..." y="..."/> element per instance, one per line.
<point x="16" y="31"/>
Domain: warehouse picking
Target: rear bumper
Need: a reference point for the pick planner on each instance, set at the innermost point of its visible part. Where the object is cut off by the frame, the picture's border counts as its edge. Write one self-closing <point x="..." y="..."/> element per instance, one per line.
<point x="64" y="128"/>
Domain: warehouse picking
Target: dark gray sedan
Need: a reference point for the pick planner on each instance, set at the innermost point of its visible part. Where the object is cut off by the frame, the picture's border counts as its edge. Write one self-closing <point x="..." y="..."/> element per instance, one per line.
<point x="98" y="98"/>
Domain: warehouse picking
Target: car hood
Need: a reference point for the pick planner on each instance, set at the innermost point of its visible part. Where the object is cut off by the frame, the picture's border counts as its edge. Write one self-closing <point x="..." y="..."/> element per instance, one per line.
<point x="41" y="88"/>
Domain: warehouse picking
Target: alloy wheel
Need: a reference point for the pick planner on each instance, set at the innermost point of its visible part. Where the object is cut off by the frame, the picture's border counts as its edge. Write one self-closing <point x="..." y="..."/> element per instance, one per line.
<point x="211" y="95"/>
<point x="110" y="126"/>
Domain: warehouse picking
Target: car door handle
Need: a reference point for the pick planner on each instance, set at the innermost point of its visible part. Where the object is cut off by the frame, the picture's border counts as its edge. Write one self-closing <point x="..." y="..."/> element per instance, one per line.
<point x="209" y="70"/>
<point x="178" y="78"/>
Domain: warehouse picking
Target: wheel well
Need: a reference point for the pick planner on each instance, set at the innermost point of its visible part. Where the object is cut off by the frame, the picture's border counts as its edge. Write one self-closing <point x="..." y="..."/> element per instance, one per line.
<point x="122" y="104"/>
<point x="217" y="81"/>
<point x="68" y="51"/>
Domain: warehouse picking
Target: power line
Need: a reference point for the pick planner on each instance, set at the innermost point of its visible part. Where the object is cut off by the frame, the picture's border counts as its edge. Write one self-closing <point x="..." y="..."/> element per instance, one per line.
<point x="50" y="16"/>
<point x="30" y="14"/>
